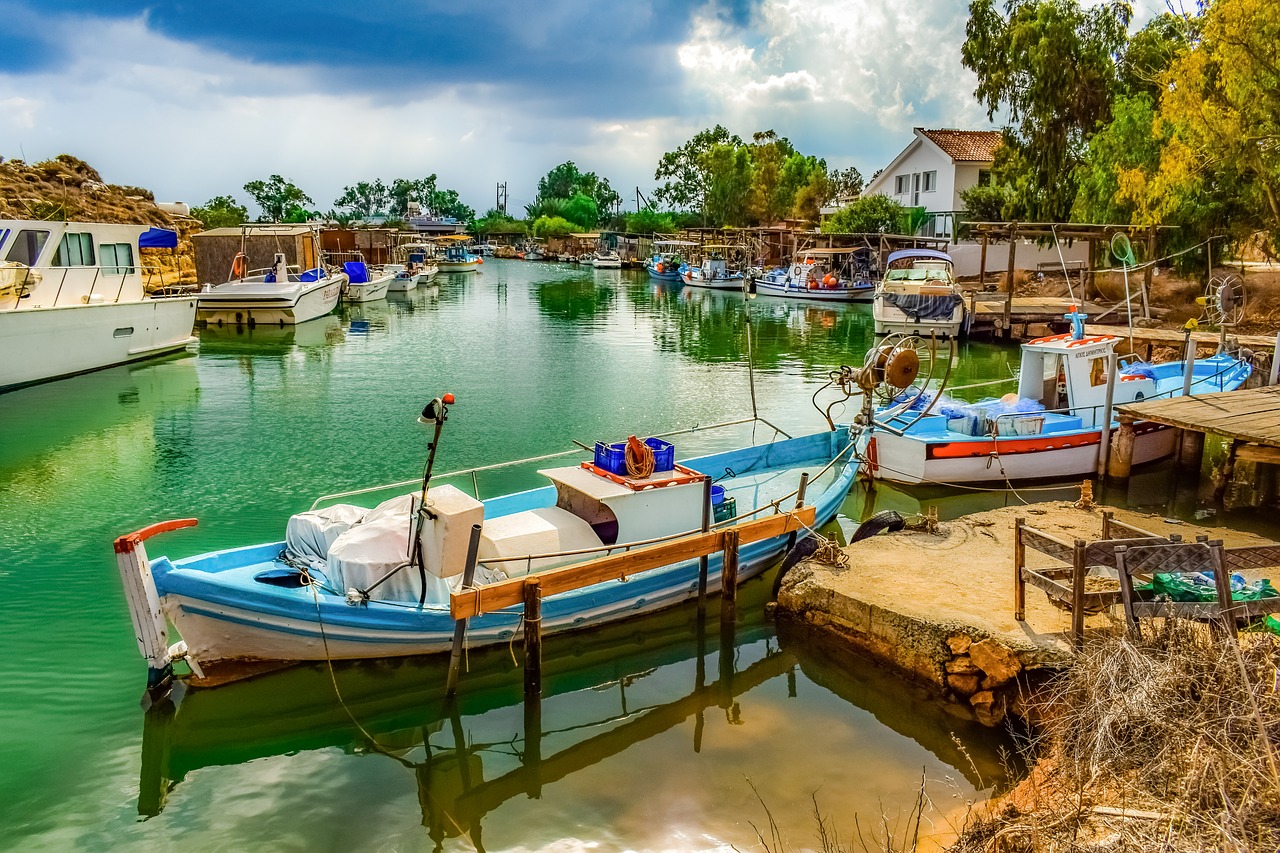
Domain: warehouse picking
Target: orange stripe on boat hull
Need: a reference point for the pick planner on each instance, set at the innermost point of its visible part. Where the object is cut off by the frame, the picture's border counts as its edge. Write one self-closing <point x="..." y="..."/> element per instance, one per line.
<point x="1014" y="446"/>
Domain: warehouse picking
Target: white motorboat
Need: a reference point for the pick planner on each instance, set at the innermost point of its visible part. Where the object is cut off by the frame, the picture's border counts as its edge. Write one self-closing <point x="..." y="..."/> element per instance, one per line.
<point x="276" y="295"/>
<point x="73" y="299"/>
<point x="456" y="256"/>
<point x="415" y="265"/>
<point x="606" y="259"/>
<point x="918" y="295"/>
<point x="713" y="272"/>
<point x="366" y="284"/>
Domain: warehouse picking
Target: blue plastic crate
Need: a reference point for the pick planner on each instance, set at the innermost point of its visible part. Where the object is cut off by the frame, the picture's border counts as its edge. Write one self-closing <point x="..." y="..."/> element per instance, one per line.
<point x="664" y="454"/>
<point x="612" y="457"/>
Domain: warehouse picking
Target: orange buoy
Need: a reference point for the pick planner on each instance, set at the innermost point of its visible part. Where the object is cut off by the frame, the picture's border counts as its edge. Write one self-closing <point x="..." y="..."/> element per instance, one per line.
<point x="659" y="267"/>
<point x="479" y="260"/>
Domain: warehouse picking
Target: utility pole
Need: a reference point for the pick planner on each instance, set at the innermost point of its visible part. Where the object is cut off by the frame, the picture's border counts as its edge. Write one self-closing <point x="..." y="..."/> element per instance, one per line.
<point x="500" y="201"/>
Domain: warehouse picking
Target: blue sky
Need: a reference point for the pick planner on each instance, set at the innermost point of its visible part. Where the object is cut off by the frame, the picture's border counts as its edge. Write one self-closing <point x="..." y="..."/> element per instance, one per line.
<point x="192" y="99"/>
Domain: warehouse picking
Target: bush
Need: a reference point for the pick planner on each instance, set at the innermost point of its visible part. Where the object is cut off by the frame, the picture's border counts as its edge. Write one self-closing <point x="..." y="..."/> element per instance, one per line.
<point x="871" y="214"/>
<point x="553" y="226"/>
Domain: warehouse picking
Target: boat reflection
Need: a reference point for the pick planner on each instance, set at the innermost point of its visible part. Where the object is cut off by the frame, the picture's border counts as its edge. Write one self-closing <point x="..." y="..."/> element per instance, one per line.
<point x="574" y="299"/>
<point x="265" y="340"/>
<point x="602" y="693"/>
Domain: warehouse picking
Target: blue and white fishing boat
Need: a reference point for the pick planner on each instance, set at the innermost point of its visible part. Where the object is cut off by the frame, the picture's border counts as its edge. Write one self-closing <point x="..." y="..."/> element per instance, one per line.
<point x="457" y="256"/>
<point x="668" y="257"/>
<point x="1051" y="428"/>
<point x="827" y="275"/>
<point x="714" y="271"/>
<point x="605" y="541"/>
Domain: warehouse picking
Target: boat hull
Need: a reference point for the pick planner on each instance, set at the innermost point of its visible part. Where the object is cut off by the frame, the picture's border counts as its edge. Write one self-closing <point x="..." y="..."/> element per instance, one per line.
<point x="669" y="273"/>
<point x="40" y="344"/>
<point x="916" y="460"/>
<point x="458" y="266"/>
<point x="222" y="614"/>
<point x="889" y="319"/>
<point x="765" y="287"/>
<point x="369" y="291"/>
<point x="693" y="278"/>
<point x="233" y="304"/>
<point x="607" y="264"/>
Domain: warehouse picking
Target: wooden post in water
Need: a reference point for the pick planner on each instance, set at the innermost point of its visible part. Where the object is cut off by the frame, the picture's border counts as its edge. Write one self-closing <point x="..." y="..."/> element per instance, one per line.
<point x="804" y="485"/>
<point x="1190" y="450"/>
<point x="729" y="574"/>
<point x="702" y="561"/>
<point x="982" y="264"/>
<point x="460" y="627"/>
<point x="532" y="637"/>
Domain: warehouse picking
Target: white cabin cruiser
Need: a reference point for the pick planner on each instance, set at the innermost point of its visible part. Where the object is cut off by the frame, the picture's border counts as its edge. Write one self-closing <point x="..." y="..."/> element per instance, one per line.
<point x="365" y="283"/>
<point x="72" y="299"/>
<point x="606" y="259"/>
<point x="278" y="295"/>
<point x="918" y="295"/>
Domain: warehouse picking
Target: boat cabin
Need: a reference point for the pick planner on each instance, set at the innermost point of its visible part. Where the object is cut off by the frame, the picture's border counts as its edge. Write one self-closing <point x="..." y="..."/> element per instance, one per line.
<point x="58" y="264"/>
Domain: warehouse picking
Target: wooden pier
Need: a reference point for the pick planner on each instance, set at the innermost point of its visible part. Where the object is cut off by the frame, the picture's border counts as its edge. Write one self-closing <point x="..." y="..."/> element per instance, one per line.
<point x="1023" y="316"/>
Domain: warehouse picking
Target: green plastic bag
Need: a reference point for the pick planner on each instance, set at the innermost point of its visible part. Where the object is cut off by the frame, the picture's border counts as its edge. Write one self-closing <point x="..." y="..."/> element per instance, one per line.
<point x="1198" y="586"/>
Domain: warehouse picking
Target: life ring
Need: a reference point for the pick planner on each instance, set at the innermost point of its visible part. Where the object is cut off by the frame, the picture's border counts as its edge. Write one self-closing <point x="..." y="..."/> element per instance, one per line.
<point x="239" y="266"/>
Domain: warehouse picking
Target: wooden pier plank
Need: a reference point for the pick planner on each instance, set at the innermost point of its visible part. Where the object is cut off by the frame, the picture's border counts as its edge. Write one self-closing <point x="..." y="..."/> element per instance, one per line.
<point x="1251" y="414"/>
<point x="1175" y="337"/>
<point x="474" y="602"/>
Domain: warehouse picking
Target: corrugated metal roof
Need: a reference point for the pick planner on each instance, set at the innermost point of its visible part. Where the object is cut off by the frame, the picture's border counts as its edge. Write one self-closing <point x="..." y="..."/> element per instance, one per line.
<point x="966" y="146"/>
<point x="264" y="230"/>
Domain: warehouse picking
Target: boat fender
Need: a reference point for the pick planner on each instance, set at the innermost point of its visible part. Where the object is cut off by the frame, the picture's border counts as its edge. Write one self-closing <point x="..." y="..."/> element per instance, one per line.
<point x="658" y="267"/>
<point x="888" y="520"/>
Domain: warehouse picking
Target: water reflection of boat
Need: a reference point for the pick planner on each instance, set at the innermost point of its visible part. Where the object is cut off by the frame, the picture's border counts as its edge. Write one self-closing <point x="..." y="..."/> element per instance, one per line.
<point x="603" y="693"/>
<point x="321" y="332"/>
<point x="367" y="317"/>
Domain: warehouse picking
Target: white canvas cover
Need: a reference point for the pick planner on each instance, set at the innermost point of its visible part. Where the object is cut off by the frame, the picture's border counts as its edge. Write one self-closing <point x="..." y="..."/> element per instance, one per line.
<point x="374" y="548"/>
<point x="309" y="535"/>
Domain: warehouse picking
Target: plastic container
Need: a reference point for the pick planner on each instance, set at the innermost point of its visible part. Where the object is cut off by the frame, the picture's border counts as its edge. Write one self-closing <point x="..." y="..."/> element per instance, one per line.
<point x="664" y="454"/>
<point x="717" y="495"/>
<point x="725" y="510"/>
<point x="611" y="457"/>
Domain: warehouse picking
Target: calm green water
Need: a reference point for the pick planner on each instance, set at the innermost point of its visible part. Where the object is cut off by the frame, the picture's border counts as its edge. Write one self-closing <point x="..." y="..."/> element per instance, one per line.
<point x="652" y="735"/>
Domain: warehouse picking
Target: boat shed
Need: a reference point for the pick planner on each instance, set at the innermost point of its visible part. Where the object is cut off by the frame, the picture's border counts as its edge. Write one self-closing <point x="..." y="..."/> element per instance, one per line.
<point x="216" y="249"/>
<point x="374" y="245"/>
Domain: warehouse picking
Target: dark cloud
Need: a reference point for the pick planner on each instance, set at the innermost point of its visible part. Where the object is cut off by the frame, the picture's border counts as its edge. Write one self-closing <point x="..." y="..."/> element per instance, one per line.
<point x="617" y="58"/>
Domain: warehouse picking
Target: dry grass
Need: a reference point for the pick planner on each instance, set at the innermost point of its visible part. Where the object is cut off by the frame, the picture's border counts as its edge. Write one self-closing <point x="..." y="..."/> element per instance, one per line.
<point x="67" y="188"/>
<point x="1164" y="744"/>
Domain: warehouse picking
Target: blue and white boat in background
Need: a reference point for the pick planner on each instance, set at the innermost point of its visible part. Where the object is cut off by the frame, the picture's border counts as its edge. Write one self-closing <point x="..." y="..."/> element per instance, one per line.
<point x="714" y="271"/>
<point x="668" y="257"/>
<point x="827" y="275"/>
<point x="1052" y="428"/>
<point x="344" y="582"/>
<point x="457" y="256"/>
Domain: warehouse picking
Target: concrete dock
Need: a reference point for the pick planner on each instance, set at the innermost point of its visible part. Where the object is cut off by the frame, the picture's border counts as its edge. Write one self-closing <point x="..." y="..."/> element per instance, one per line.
<point x="939" y="607"/>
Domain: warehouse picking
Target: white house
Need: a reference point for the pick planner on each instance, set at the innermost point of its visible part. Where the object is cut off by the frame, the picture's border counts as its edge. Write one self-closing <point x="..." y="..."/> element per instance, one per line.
<point x="934" y="169"/>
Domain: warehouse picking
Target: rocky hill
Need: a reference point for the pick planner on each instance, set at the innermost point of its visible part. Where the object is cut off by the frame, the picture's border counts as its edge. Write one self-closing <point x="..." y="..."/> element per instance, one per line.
<point x="68" y="188"/>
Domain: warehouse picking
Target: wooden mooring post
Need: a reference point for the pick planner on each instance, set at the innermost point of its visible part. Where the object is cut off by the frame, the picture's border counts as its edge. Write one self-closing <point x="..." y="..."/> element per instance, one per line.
<point x="729" y="574"/>
<point x="460" y="626"/>
<point x="804" y="485"/>
<point x="702" y="561"/>
<point x="532" y="637"/>
<point x="1121" y="463"/>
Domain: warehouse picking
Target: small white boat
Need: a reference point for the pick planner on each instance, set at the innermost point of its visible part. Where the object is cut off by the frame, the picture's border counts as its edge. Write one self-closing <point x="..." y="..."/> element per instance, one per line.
<point x="73" y="299"/>
<point x="365" y="283"/>
<point x="606" y="259"/>
<point x="1050" y="429"/>
<point x="828" y="275"/>
<point x="531" y="252"/>
<point x="586" y="259"/>
<point x="415" y="264"/>
<point x="918" y="295"/>
<point x="714" y="271"/>
<point x="277" y="295"/>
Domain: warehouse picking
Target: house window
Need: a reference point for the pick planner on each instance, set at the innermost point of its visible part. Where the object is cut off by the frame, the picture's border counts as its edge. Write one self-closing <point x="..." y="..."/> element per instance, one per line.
<point x="27" y="247"/>
<point x="75" y="250"/>
<point x="902" y="185"/>
<point x="117" y="258"/>
<point x="984" y="177"/>
<point x="930" y="181"/>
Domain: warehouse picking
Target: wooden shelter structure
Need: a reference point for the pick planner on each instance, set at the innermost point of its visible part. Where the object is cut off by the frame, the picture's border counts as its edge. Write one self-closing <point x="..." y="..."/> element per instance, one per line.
<point x="375" y="245"/>
<point x="1094" y="235"/>
<point x="216" y="249"/>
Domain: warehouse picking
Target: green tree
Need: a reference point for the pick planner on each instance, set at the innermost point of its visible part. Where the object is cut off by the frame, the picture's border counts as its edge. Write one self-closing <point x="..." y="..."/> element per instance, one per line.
<point x="728" y="195"/>
<point x="986" y="202"/>
<point x="1220" y="117"/>
<point x="1051" y="66"/>
<point x="582" y="210"/>
<point x="845" y="183"/>
<point x="871" y="214"/>
<point x="649" y="222"/>
<point x="365" y="199"/>
<point x="770" y="200"/>
<point x="553" y="226"/>
<point x="495" y="220"/>
<point x="566" y="180"/>
<point x="276" y="197"/>
<point x="221" y="212"/>
<point x="1125" y="150"/>
<point x="804" y="183"/>
<point x="685" y="173"/>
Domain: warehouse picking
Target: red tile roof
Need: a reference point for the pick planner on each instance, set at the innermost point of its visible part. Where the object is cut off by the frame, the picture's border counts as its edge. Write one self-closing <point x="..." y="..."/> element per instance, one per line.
<point x="966" y="146"/>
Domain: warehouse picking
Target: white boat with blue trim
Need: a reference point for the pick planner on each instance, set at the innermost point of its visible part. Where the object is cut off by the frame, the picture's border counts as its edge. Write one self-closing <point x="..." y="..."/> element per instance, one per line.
<point x="918" y="295"/>
<point x="827" y="275"/>
<point x="350" y="582"/>
<point x="1053" y="427"/>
